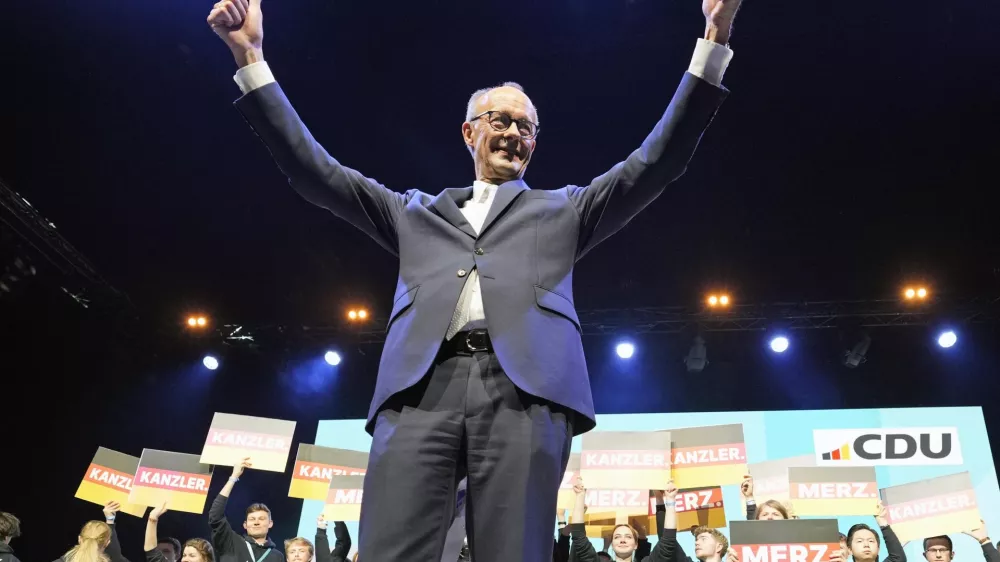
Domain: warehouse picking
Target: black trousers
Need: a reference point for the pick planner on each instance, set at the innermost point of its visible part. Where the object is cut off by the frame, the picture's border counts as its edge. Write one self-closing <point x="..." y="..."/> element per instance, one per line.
<point x="464" y="418"/>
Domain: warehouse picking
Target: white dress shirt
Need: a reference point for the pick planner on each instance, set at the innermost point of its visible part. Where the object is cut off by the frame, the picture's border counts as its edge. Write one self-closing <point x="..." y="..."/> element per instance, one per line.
<point x="709" y="63"/>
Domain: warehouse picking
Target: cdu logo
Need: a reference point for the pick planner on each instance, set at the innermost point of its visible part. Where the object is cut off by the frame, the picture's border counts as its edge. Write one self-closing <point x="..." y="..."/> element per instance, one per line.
<point x="910" y="446"/>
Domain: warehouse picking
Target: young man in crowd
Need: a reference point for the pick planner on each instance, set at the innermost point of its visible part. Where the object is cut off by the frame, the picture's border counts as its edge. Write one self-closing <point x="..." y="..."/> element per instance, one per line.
<point x="170" y="548"/>
<point x="940" y="548"/>
<point x="231" y="546"/>
<point x="864" y="543"/>
<point x="10" y="529"/>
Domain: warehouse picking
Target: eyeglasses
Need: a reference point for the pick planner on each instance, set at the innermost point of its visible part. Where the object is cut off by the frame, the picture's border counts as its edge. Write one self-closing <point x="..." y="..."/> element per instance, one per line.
<point x="501" y="121"/>
<point x="938" y="551"/>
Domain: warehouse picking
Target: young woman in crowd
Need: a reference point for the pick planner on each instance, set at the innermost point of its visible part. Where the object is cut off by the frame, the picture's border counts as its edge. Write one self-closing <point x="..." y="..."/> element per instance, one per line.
<point x="768" y="511"/>
<point x="195" y="550"/>
<point x="98" y="540"/>
<point x="300" y="549"/>
<point x="624" y="538"/>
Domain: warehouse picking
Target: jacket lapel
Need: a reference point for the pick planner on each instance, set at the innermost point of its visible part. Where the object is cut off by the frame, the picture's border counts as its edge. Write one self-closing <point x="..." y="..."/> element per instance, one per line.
<point x="506" y="194"/>
<point x="446" y="204"/>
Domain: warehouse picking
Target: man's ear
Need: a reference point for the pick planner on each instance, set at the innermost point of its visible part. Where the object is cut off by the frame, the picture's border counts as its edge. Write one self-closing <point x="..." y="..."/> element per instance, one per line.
<point x="245" y="526"/>
<point x="270" y="523"/>
<point x="467" y="134"/>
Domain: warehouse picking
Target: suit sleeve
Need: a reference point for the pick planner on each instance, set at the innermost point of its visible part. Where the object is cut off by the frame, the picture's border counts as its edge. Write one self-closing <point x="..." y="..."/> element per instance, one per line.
<point x="155" y="556"/>
<point x="581" y="549"/>
<point x="665" y="549"/>
<point x="990" y="552"/>
<point x="317" y="176"/>
<point x="114" y="549"/>
<point x="223" y="535"/>
<point x="893" y="548"/>
<point x="343" y="544"/>
<point x="614" y="198"/>
<point x="751" y="512"/>
<point x="560" y="549"/>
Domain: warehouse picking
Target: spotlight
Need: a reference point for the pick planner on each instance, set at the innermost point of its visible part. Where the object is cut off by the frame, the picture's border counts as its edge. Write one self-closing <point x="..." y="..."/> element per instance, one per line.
<point x="921" y="293"/>
<point x="779" y="344"/>
<point x="625" y="350"/>
<point x="210" y="363"/>
<point x="362" y="314"/>
<point x="202" y="321"/>
<point x="910" y="293"/>
<point x="916" y="293"/>
<point x="697" y="357"/>
<point x="718" y="300"/>
<point x="856" y="355"/>
<point x="332" y="358"/>
<point x="192" y="321"/>
<point x="353" y="315"/>
<point x="713" y="300"/>
<point x="947" y="339"/>
<point x="724" y="300"/>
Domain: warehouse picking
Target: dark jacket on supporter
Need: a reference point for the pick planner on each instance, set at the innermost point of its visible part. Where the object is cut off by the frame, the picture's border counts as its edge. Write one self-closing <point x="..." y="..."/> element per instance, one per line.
<point x="7" y="553"/>
<point x="664" y="550"/>
<point x="231" y="546"/>
<point x="560" y="549"/>
<point x="340" y="548"/>
<point x="990" y="553"/>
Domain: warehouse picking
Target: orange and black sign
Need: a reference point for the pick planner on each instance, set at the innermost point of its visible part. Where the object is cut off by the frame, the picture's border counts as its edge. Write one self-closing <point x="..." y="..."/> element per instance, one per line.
<point x="792" y="540"/>
<point x="826" y="491"/>
<point x="697" y="507"/>
<point x="626" y="460"/>
<point x="109" y="478"/>
<point x="567" y="498"/>
<point x="343" y="499"/>
<point x="937" y="506"/>
<point x="708" y="456"/>
<point x="315" y="466"/>
<point x="231" y="438"/>
<point x="179" y="479"/>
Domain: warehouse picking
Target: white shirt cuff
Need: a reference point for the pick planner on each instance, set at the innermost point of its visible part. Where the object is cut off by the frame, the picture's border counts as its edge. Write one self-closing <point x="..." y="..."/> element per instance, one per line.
<point x="253" y="76"/>
<point x="708" y="63"/>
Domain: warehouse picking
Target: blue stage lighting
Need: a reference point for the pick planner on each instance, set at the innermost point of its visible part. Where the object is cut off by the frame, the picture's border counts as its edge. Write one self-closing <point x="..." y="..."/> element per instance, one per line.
<point x="947" y="339"/>
<point x="332" y="358"/>
<point x="779" y="344"/>
<point x="625" y="350"/>
<point x="210" y="363"/>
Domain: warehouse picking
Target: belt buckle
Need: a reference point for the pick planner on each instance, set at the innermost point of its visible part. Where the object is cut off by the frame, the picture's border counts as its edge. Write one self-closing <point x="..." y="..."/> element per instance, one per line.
<point x="470" y="341"/>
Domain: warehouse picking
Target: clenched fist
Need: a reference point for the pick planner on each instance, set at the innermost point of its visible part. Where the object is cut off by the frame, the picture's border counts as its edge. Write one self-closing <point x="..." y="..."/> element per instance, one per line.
<point x="241" y="25"/>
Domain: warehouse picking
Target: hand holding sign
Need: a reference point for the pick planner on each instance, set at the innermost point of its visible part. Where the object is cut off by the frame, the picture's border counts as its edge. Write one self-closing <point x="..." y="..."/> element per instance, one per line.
<point x="746" y="488"/>
<point x="578" y="488"/>
<point x="155" y="514"/>
<point x="670" y="494"/>
<point x="321" y="522"/>
<point x="111" y="509"/>
<point x="244" y="464"/>
<point x="837" y="556"/>
<point x="881" y="514"/>
<point x="980" y="533"/>
<point x="732" y="556"/>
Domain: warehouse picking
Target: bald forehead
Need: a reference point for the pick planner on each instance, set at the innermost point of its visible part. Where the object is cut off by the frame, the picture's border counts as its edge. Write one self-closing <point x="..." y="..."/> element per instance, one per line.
<point x="507" y="99"/>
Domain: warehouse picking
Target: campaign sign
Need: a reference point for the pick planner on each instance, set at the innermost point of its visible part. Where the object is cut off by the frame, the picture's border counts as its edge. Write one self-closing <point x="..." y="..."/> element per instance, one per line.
<point x="928" y="508"/>
<point x="567" y="498"/>
<point x="713" y="455"/>
<point x="626" y="460"/>
<point x="179" y="479"/>
<point x="109" y="478"/>
<point x="343" y="500"/>
<point x="315" y="466"/>
<point x="833" y="491"/>
<point x="232" y="438"/>
<point x="792" y="540"/>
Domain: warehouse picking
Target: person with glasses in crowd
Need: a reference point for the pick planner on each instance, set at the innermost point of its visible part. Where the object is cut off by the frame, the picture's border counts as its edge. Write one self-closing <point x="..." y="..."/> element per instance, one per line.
<point x="483" y="371"/>
<point x="940" y="548"/>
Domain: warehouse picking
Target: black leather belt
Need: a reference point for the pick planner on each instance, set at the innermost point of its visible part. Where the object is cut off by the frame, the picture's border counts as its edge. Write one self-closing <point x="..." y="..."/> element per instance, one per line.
<point x="464" y="343"/>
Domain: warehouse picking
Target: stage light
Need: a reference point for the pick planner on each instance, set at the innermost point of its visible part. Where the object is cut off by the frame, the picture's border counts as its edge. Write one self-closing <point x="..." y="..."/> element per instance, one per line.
<point x="332" y="358"/>
<point x="910" y="293"/>
<point x="625" y="350"/>
<point x="202" y="321"/>
<point x="724" y="300"/>
<point x="720" y="300"/>
<point x="856" y="355"/>
<point x="713" y="300"/>
<point x="921" y="293"/>
<point x="210" y="363"/>
<point x="947" y="339"/>
<point x="697" y="357"/>
<point x="192" y="321"/>
<point x="352" y="315"/>
<point x="779" y="344"/>
<point x="916" y="293"/>
<point x="362" y="314"/>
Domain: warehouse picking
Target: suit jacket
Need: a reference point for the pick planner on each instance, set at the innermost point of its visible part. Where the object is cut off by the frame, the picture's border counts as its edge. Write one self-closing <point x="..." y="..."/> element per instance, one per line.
<point x="525" y="251"/>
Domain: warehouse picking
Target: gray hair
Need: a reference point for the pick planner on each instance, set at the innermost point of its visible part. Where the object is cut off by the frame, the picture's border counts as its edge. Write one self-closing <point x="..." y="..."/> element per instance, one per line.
<point x="470" y="110"/>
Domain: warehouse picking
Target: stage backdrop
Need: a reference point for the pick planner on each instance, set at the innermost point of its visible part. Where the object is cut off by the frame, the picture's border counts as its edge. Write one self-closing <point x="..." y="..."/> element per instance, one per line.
<point x="781" y="435"/>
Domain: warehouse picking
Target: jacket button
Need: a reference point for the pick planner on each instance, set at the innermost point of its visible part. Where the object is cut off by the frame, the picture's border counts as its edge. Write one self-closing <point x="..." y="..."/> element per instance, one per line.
<point x="479" y="251"/>
<point x="461" y="273"/>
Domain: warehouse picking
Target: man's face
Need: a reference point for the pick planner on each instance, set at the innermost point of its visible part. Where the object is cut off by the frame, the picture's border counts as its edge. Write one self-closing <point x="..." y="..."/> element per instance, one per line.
<point x="191" y="554"/>
<point x="298" y="553"/>
<point x="938" y="551"/>
<point x="845" y="552"/>
<point x="864" y="545"/>
<point x="705" y="546"/>
<point x="768" y="513"/>
<point x="168" y="552"/>
<point x="257" y="524"/>
<point x="501" y="155"/>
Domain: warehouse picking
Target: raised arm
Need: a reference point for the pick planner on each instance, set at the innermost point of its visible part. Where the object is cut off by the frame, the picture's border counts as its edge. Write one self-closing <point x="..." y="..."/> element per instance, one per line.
<point x="151" y="539"/>
<point x="222" y="532"/>
<point x="311" y="171"/>
<point x="893" y="548"/>
<point x="342" y="546"/>
<point x="581" y="549"/>
<point x="114" y="548"/>
<point x="982" y="536"/>
<point x="666" y="549"/>
<point x="746" y="489"/>
<point x="614" y="198"/>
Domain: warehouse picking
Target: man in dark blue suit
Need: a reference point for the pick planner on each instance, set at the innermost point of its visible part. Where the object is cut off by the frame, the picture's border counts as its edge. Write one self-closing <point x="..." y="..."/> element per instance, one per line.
<point x="483" y="370"/>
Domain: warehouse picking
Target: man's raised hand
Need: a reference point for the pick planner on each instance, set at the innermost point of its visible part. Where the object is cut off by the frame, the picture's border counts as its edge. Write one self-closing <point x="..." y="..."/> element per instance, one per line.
<point x="241" y="25"/>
